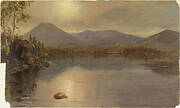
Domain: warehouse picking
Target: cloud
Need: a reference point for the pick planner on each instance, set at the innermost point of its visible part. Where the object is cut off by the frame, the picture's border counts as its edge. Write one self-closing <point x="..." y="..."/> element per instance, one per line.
<point x="137" y="17"/>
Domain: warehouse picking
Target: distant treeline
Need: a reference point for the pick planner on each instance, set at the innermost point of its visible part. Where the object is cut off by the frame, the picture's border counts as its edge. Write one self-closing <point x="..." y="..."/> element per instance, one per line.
<point x="128" y="51"/>
<point x="145" y="52"/>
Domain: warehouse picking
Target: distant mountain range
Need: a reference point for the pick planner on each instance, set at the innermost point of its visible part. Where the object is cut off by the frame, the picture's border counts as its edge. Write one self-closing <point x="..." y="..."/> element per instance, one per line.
<point x="106" y="37"/>
<point x="51" y="35"/>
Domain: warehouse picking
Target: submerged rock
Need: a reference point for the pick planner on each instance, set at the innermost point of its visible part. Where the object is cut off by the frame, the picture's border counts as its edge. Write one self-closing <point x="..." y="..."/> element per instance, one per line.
<point x="60" y="95"/>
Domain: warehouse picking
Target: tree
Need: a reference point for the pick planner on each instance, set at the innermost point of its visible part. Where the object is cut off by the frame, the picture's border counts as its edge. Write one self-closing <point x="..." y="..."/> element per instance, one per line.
<point x="5" y="16"/>
<point x="13" y="12"/>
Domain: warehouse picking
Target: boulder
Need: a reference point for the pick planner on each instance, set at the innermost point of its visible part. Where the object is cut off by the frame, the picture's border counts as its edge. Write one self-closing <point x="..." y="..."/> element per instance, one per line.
<point x="60" y="95"/>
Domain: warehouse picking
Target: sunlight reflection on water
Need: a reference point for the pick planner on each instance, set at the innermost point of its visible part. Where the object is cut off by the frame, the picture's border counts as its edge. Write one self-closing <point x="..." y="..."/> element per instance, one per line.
<point x="103" y="82"/>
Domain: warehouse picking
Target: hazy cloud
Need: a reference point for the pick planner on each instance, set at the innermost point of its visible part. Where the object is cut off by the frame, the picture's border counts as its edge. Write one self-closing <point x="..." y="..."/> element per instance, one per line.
<point x="137" y="17"/>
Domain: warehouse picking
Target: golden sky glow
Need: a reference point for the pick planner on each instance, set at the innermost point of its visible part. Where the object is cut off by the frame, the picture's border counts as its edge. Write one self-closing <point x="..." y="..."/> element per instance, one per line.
<point x="142" y="18"/>
<point x="68" y="10"/>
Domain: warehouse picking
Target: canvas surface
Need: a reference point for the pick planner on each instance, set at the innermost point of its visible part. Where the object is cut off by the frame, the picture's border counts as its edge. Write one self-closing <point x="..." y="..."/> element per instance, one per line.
<point x="91" y="54"/>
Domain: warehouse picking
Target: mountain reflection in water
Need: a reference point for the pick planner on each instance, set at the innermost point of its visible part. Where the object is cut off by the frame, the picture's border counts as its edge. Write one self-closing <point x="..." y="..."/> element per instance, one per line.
<point x="96" y="82"/>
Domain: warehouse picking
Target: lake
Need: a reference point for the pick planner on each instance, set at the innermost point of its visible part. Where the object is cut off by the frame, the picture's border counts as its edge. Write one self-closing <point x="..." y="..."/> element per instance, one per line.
<point x="109" y="82"/>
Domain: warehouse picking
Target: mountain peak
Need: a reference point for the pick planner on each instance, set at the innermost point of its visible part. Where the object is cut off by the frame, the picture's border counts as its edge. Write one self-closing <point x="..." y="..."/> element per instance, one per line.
<point x="51" y="35"/>
<point x="163" y="38"/>
<point x="168" y="31"/>
<point x="43" y="24"/>
<point x="46" y="25"/>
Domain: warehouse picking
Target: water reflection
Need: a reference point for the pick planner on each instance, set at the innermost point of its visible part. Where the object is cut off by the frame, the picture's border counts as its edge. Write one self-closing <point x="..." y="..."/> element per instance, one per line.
<point x="100" y="82"/>
<point x="22" y="84"/>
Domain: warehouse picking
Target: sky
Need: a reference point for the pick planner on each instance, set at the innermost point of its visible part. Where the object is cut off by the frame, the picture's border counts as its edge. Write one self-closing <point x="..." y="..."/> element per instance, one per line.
<point x="141" y="18"/>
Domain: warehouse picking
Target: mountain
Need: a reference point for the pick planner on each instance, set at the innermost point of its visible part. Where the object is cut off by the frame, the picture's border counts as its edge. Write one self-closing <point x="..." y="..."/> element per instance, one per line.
<point x="51" y="35"/>
<point x="105" y="37"/>
<point x="164" y="38"/>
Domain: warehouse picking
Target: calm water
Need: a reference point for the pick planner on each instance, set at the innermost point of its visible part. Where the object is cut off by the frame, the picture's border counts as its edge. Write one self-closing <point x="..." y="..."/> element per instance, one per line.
<point x="100" y="82"/>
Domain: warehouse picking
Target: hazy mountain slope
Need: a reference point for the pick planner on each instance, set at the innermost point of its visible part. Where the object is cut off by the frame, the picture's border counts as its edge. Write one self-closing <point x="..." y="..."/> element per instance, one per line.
<point x="105" y="37"/>
<point x="164" y="38"/>
<point x="52" y="35"/>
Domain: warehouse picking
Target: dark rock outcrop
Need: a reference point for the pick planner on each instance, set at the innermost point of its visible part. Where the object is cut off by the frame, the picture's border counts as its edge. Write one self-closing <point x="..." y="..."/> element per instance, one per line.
<point x="23" y="54"/>
<point x="22" y="69"/>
